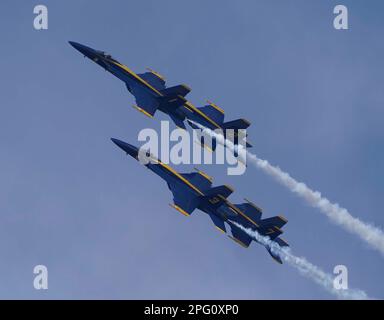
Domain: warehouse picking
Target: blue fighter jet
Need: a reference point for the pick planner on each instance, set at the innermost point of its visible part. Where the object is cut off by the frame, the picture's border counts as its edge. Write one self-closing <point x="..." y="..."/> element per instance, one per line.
<point x="148" y="88"/>
<point x="151" y="94"/>
<point x="194" y="191"/>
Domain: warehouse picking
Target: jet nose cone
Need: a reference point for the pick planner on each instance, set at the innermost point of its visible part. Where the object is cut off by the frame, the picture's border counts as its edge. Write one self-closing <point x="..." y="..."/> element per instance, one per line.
<point x="86" y="51"/>
<point x="74" y="44"/>
<point x="128" y="148"/>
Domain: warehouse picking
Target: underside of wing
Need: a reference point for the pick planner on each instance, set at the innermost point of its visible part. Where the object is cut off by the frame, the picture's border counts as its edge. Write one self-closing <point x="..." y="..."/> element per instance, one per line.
<point x="184" y="201"/>
<point x="219" y="223"/>
<point x="240" y="236"/>
<point x="145" y="102"/>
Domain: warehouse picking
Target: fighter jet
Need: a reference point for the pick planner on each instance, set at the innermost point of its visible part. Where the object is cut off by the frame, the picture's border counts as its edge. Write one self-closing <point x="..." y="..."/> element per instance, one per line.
<point x="151" y="94"/>
<point x="194" y="191"/>
<point x="148" y="88"/>
<point x="211" y="116"/>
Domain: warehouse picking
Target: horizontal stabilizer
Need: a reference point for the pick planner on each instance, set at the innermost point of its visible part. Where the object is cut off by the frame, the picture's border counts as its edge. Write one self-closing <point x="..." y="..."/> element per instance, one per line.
<point x="171" y="102"/>
<point x="225" y="191"/>
<point x="173" y="97"/>
<point x="237" y="124"/>
<point x="179" y="90"/>
<point x="278" y="221"/>
<point x="219" y="223"/>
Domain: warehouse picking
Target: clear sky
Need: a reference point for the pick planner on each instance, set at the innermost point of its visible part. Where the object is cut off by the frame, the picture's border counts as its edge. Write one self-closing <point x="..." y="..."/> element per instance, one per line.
<point x="70" y="199"/>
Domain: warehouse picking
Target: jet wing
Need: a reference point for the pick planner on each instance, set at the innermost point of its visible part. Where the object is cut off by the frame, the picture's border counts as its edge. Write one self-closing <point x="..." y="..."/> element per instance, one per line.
<point x="145" y="103"/>
<point x="251" y="210"/>
<point x="153" y="79"/>
<point x="219" y="223"/>
<point x="240" y="236"/>
<point x="184" y="202"/>
<point x="213" y="112"/>
<point x="199" y="179"/>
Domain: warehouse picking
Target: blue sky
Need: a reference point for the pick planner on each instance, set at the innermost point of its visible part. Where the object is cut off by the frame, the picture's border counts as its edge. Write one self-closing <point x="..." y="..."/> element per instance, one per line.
<point x="101" y="223"/>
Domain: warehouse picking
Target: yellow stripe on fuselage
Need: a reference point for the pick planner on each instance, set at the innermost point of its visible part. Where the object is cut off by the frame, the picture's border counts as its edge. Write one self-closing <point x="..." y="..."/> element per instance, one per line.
<point x="126" y="69"/>
<point x="181" y="210"/>
<point x="203" y="174"/>
<point x="221" y="230"/>
<point x="284" y="241"/>
<point x="237" y="210"/>
<point x="156" y="73"/>
<point x="203" y="146"/>
<point x="215" y="106"/>
<point x="186" y="107"/>
<point x="253" y="205"/>
<point x="178" y="175"/>
<point x="142" y="111"/>
<point x="187" y="104"/>
<point x="191" y="106"/>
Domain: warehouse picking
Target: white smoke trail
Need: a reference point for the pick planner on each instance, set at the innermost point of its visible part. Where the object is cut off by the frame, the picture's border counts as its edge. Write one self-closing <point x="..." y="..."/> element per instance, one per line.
<point x="305" y="267"/>
<point x="372" y="235"/>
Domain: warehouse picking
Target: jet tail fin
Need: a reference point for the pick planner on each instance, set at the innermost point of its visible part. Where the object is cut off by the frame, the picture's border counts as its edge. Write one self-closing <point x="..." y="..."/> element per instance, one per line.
<point x="236" y="125"/>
